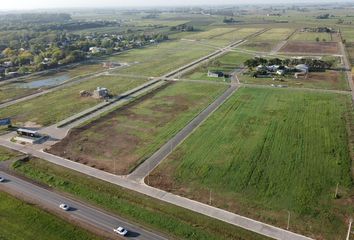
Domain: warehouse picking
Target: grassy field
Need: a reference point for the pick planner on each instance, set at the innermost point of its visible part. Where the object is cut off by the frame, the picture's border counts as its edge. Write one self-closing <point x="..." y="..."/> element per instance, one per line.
<point x="274" y="34"/>
<point x="7" y="154"/>
<point x="122" y="139"/>
<point x="333" y="80"/>
<point x="212" y="33"/>
<point x="227" y="38"/>
<point x="348" y="34"/>
<point x="259" y="46"/>
<point x="227" y="63"/>
<point x="266" y="151"/>
<point x="311" y="36"/>
<point x="162" y="58"/>
<point x="20" y="220"/>
<point x="166" y="218"/>
<point x="58" y="105"/>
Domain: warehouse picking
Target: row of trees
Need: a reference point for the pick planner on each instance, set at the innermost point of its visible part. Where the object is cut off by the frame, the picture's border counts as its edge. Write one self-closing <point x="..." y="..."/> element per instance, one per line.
<point x="313" y="64"/>
<point x="28" y="52"/>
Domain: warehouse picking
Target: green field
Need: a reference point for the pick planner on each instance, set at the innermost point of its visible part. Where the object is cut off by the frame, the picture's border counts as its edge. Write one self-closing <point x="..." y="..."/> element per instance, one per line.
<point x="166" y="218"/>
<point x="122" y="139"/>
<point x="266" y="151"/>
<point x="58" y="105"/>
<point x="161" y="58"/>
<point x="20" y="221"/>
<point x="230" y="37"/>
<point x="311" y="36"/>
<point x="274" y="34"/>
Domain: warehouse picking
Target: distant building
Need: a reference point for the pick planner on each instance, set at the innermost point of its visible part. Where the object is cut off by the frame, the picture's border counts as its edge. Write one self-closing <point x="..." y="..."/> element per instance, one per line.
<point x="215" y="74"/>
<point x="95" y="50"/>
<point x="281" y="72"/>
<point x="302" y="68"/>
<point x="100" y="93"/>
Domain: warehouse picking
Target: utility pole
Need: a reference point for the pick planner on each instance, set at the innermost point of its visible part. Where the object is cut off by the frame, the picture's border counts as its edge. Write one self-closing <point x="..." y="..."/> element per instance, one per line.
<point x="209" y="196"/>
<point x="350" y="228"/>
<point x="287" y="228"/>
<point x="336" y="193"/>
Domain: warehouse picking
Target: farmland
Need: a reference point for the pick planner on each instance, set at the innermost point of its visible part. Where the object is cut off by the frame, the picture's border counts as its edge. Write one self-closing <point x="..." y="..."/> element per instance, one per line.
<point x="311" y="36"/>
<point x="122" y="139"/>
<point x="332" y="80"/>
<point x="275" y="34"/>
<point x="310" y="48"/>
<point x="58" y="105"/>
<point x="32" y="223"/>
<point x="166" y="218"/>
<point x="268" y="40"/>
<point x="227" y="38"/>
<point x="160" y="59"/>
<point x="265" y="151"/>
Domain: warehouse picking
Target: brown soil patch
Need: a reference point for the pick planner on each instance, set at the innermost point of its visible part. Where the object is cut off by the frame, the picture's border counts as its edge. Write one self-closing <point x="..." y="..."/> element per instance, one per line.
<point x="329" y="76"/>
<point x="111" y="143"/>
<point x="311" y="47"/>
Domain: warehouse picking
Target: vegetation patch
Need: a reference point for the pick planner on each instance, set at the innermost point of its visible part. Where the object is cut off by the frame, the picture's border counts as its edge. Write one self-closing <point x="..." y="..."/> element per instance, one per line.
<point x="124" y="138"/>
<point x="268" y="151"/>
<point x="20" y="220"/>
<point x="310" y="48"/>
<point x="166" y="218"/>
<point x="58" y="105"/>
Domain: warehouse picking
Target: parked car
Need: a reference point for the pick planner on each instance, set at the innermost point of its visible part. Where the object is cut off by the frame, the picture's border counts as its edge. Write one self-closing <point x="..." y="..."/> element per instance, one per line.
<point x="64" y="206"/>
<point x="2" y="179"/>
<point x="121" y="231"/>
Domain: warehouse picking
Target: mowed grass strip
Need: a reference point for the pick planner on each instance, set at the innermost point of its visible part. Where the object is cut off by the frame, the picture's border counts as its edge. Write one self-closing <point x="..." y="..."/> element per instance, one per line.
<point x="266" y="151"/>
<point x="175" y="222"/>
<point x="20" y="220"/>
<point x="120" y="140"/>
<point x="58" y="105"/>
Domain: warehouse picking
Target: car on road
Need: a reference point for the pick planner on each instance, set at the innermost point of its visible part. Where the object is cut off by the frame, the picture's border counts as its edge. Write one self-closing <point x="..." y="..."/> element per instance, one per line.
<point x="2" y="179"/>
<point x="121" y="231"/>
<point x="64" y="206"/>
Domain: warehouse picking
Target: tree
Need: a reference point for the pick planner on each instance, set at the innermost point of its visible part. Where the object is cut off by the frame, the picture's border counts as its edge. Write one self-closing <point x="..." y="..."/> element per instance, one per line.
<point x="8" y="52"/>
<point x="317" y="39"/>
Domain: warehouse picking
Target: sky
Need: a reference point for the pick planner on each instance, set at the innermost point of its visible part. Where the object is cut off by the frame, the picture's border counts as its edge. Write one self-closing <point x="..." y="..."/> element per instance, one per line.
<point x="44" y="4"/>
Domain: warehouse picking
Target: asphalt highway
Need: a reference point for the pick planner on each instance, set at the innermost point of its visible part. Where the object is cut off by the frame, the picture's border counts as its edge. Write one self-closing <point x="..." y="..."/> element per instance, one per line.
<point x="80" y="212"/>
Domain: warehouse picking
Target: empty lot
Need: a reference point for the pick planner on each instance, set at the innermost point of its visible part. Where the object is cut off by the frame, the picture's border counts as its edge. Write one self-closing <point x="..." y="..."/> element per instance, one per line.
<point x="311" y="48"/>
<point x="122" y="139"/>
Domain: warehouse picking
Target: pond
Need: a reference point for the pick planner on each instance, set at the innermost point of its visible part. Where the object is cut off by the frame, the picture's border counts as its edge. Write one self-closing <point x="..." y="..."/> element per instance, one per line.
<point x="47" y="82"/>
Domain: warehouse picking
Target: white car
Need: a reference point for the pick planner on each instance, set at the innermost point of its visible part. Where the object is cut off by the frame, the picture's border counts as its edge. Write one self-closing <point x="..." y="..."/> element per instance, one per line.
<point x="2" y="179"/>
<point x="121" y="231"/>
<point x="64" y="206"/>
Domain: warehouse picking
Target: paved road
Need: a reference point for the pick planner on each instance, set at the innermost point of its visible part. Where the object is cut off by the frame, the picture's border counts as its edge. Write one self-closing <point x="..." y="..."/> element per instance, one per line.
<point x="207" y="210"/>
<point x="348" y="68"/>
<point x="79" y="212"/>
<point x="152" y="162"/>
